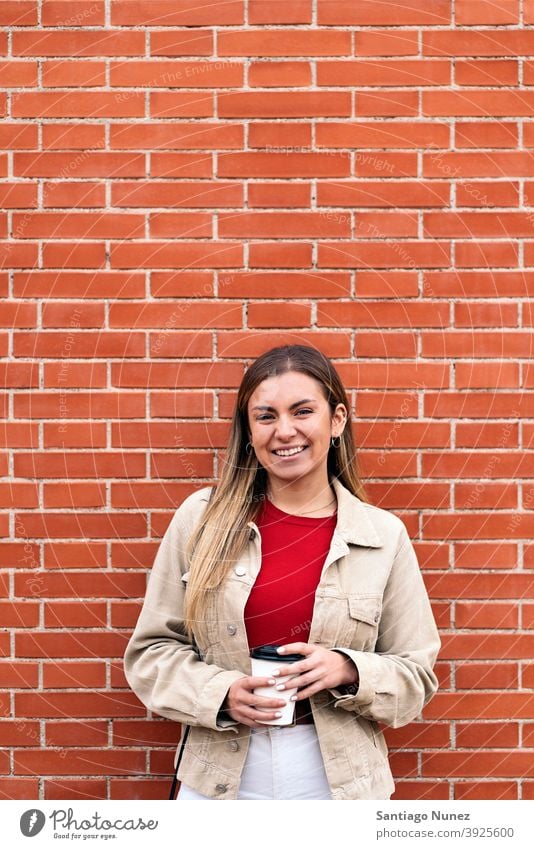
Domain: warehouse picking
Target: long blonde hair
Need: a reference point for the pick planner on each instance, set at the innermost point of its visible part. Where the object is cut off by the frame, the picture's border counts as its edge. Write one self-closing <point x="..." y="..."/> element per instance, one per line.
<point x="221" y="535"/>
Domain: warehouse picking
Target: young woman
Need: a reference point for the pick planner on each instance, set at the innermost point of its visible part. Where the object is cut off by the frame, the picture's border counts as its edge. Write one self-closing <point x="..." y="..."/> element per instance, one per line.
<point x="285" y="551"/>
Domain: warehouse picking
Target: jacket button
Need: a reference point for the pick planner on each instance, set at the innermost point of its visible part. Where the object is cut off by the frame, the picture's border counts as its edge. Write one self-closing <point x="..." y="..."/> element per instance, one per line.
<point x="232" y="630"/>
<point x="233" y="745"/>
<point x="221" y="788"/>
<point x="240" y="571"/>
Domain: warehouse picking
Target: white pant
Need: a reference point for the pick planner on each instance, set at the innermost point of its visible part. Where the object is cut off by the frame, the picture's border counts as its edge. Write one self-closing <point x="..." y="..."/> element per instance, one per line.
<point x="283" y="762"/>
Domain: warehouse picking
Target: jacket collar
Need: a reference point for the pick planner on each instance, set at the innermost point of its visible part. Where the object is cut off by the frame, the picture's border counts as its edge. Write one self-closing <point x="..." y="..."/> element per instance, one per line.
<point x="353" y="521"/>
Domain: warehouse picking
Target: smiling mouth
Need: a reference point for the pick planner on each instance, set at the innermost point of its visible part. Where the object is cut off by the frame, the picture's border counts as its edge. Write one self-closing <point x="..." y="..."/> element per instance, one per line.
<point x="290" y="452"/>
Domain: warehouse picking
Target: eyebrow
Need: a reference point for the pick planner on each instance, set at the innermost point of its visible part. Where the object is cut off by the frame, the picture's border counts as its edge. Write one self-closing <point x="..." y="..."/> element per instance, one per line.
<point x="296" y="404"/>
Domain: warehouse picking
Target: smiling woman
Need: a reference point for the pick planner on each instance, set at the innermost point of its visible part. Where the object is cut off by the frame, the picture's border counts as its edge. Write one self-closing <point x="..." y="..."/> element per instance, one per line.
<point x="285" y="544"/>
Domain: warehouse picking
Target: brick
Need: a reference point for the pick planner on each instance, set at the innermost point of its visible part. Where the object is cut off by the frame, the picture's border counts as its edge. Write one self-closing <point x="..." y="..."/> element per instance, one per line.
<point x="481" y="194"/>
<point x="279" y="74"/>
<point x="191" y="375"/>
<point x="17" y="314"/>
<point x="18" y="13"/>
<point x="474" y="164"/>
<point x="189" y="315"/>
<point x="487" y="42"/>
<point x="280" y="224"/>
<point x="280" y="255"/>
<point x="185" y="42"/>
<point x="288" y="135"/>
<point x="91" y="375"/>
<point x="75" y="434"/>
<point x="73" y="136"/>
<point x="279" y="195"/>
<point x="283" y="42"/>
<point x="79" y="225"/>
<point x="408" y="72"/>
<point x="75" y="732"/>
<point x="80" y="104"/>
<point x="290" y="285"/>
<point x="383" y="42"/>
<point x="384" y="134"/>
<point x="60" y="465"/>
<point x="16" y="255"/>
<point x="210" y="194"/>
<point x="72" y="284"/>
<point x="78" y="43"/>
<point x="84" y="164"/>
<point x="66" y="74"/>
<point x="169" y="255"/>
<point x="18" y="136"/>
<point x="68" y="194"/>
<point x="76" y="555"/>
<point x="378" y="193"/>
<point x="75" y="495"/>
<point x="66" y="13"/>
<point x="211" y="74"/>
<point x="175" y="13"/>
<point x="489" y="72"/>
<point x="199" y="136"/>
<point x="477" y="102"/>
<point x="95" y="405"/>
<point x="181" y="164"/>
<point x="166" y="284"/>
<point x="280" y="12"/>
<point x="383" y="254"/>
<point x="178" y="225"/>
<point x="468" y="12"/>
<point x="95" y="525"/>
<point x="364" y="14"/>
<point x="289" y="165"/>
<point x="271" y="104"/>
<point x="179" y="104"/>
<point x="191" y="404"/>
<point x="18" y="74"/>
<point x="82" y="344"/>
<point x="501" y="134"/>
<point x="279" y="313"/>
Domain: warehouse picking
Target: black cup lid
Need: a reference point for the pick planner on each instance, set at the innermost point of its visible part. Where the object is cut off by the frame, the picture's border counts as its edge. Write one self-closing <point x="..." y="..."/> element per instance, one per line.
<point x="271" y="653"/>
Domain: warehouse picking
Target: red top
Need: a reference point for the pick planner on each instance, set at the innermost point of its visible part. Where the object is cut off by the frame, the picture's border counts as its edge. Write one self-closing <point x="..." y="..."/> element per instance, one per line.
<point x="280" y="605"/>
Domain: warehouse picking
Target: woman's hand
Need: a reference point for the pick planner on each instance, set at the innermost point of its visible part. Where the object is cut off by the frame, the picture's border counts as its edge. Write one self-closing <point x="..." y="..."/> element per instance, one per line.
<point x="321" y="669"/>
<point x="243" y="705"/>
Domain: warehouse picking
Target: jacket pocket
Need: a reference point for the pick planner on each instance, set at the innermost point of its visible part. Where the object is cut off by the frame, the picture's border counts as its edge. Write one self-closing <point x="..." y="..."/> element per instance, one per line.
<point x="349" y="621"/>
<point x="365" y="612"/>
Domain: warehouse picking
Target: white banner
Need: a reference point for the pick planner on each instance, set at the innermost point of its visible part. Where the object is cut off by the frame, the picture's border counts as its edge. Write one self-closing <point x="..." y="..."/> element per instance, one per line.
<point x="350" y="825"/>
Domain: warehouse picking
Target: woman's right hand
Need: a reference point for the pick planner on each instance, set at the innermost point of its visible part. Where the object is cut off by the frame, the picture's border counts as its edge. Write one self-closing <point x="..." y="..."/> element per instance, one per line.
<point x="242" y="704"/>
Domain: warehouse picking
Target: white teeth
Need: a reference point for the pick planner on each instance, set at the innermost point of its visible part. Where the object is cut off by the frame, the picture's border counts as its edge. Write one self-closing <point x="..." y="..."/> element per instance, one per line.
<point x="288" y="451"/>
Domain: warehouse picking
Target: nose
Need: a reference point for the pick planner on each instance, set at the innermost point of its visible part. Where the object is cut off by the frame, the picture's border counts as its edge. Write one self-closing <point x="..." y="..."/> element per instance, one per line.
<point x="285" y="429"/>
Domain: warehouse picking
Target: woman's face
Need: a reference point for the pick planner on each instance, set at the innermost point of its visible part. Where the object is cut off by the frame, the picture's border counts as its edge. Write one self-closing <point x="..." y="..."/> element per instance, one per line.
<point x="290" y="412"/>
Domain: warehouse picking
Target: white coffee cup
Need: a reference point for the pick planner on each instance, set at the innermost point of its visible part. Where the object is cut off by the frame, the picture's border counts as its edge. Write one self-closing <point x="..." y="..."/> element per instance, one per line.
<point x="264" y="659"/>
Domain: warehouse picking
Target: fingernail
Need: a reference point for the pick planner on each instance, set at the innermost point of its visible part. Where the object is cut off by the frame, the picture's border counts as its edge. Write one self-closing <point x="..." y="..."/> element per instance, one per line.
<point x="293" y="698"/>
<point x="278" y="714"/>
<point x="271" y="681"/>
<point x="280" y="686"/>
<point x="280" y="650"/>
<point x="275" y="672"/>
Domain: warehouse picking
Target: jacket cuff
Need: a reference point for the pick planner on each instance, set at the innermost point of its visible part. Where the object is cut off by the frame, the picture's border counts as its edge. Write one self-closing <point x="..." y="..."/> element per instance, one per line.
<point x="212" y="697"/>
<point x="366" y="691"/>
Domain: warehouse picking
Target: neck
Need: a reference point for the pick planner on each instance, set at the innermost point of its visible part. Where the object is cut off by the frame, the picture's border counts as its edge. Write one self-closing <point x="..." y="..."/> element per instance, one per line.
<point x="300" y="498"/>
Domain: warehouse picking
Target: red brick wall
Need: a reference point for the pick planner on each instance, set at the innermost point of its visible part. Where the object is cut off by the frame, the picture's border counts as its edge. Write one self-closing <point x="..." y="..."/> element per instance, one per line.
<point x="185" y="185"/>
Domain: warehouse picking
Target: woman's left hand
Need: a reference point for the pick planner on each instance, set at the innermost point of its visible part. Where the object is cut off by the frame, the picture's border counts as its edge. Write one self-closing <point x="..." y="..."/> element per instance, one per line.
<point x="319" y="670"/>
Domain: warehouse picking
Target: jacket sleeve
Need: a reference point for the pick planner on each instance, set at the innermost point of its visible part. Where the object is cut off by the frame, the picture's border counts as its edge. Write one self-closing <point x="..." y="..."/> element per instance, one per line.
<point x="397" y="680"/>
<point x="161" y="665"/>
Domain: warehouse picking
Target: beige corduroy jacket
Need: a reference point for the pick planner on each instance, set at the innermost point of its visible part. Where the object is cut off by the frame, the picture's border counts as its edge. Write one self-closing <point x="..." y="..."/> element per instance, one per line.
<point x="371" y="602"/>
